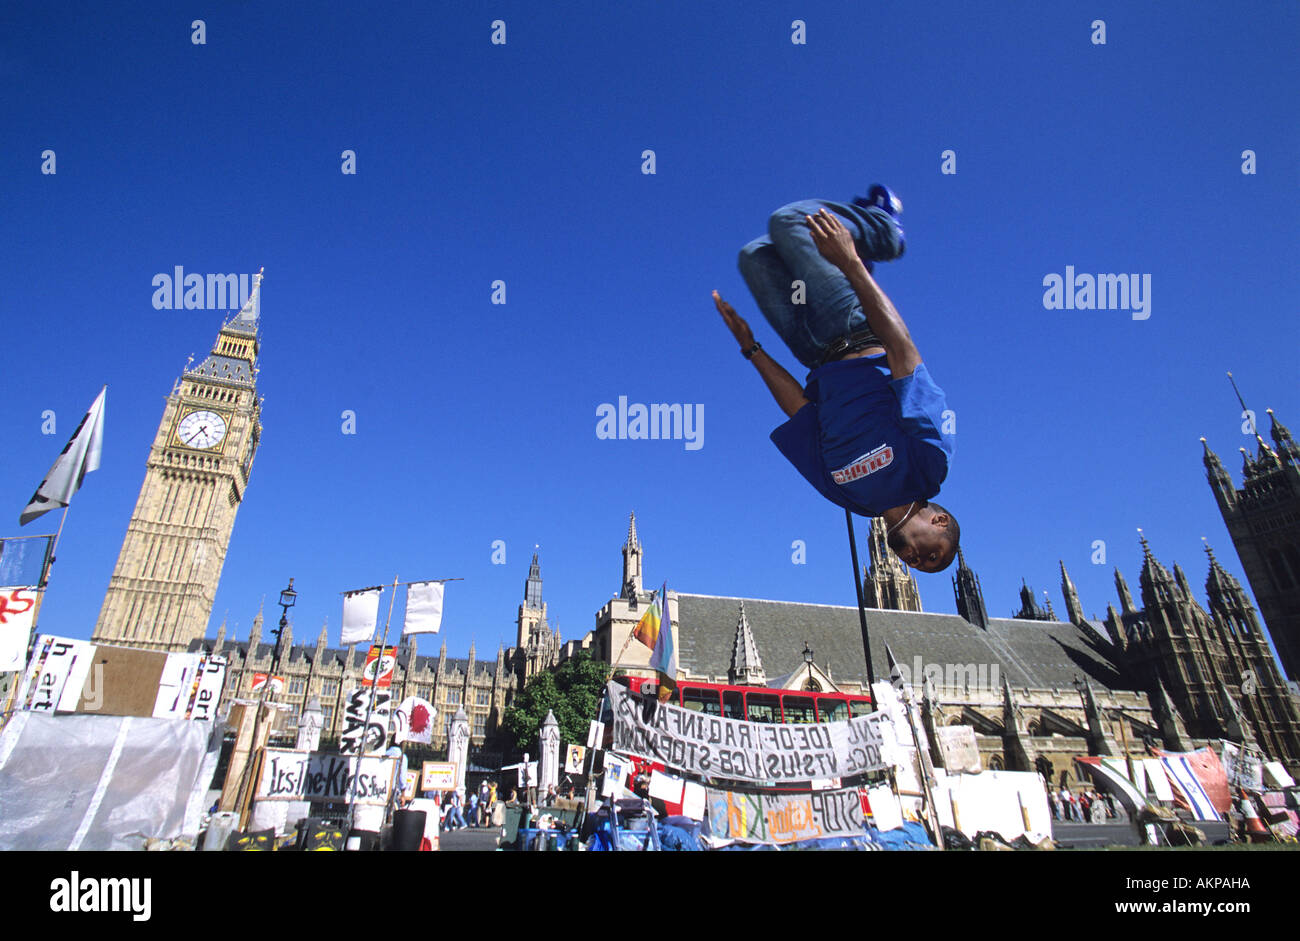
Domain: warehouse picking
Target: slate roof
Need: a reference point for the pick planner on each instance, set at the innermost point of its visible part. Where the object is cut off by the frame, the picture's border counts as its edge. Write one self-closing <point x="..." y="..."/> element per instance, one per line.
<point x="224" y="368"/>
<point x="1034" y="654"/>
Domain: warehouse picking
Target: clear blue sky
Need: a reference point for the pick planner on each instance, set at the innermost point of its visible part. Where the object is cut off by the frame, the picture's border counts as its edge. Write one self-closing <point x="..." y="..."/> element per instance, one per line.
<point x="476" y="162"/>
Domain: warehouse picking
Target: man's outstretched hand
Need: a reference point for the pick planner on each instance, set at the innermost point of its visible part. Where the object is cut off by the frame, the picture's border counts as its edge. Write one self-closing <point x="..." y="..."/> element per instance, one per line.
<point x="833" y="240"/>
<point x="735" y="323"/>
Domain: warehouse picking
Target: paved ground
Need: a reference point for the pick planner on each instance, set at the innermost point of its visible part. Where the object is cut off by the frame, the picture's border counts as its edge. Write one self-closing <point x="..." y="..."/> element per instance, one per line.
<point x="471" y="839"/>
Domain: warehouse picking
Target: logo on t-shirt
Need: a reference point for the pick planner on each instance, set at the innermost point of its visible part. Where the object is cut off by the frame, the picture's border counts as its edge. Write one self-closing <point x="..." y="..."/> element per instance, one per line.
<point x="869" y="463"/>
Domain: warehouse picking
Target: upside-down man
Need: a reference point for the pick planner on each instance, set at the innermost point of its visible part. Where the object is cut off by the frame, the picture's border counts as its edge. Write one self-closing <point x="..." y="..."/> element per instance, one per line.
<point x="865" y="428"/>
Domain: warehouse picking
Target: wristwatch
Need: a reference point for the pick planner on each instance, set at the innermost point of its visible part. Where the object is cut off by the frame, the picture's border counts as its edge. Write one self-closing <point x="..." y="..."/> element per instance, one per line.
<point x="749" y="353"/>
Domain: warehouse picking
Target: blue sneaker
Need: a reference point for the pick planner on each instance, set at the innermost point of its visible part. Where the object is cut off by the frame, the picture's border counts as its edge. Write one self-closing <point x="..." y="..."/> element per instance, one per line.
<point x="882" y="197"/>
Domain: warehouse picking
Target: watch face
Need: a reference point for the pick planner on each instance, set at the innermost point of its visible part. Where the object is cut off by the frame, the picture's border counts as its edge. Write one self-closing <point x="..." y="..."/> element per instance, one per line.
<point x="201" y="429"/>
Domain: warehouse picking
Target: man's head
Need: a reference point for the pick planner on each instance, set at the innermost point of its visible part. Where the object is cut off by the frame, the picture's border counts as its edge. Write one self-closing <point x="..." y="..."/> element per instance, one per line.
<point x="927" y="539"/>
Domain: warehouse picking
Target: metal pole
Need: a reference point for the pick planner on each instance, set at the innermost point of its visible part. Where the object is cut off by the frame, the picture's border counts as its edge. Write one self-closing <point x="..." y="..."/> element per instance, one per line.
<point x="370" y="705"/>
<point x="862" y="610"/>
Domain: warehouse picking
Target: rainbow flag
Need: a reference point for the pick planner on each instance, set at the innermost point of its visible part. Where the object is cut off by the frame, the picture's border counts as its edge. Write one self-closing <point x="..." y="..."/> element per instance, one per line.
<point x="652" y="632"/>
<point x="647" y="629"/>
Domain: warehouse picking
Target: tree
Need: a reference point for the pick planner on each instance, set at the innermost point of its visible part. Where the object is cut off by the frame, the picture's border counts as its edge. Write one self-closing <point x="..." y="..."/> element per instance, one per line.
<point x="572" y="691"/>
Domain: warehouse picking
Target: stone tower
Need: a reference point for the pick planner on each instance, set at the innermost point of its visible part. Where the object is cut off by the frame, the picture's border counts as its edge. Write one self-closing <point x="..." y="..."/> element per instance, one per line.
<point x="162" y="589"/>
<point x="537" y="646"/>
<point x="1263" y="520"/>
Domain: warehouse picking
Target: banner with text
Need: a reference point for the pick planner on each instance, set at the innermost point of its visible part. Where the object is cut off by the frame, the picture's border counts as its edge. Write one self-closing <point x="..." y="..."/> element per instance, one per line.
<point x="356" y="728"/>
<point x="711" y="746"/>
<point x="785" y="818"/>
<point x="289" y="775"/>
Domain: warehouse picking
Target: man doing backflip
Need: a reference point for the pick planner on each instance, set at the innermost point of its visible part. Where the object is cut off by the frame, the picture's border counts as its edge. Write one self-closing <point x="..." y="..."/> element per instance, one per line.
<point x="865" y="428"/>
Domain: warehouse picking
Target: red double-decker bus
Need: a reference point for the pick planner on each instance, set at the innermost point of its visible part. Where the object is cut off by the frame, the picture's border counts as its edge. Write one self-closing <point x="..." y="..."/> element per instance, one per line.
<point x="759" y="703"/>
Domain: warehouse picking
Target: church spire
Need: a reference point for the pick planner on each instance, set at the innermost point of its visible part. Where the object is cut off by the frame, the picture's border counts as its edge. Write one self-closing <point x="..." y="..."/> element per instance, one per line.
<point x="631" y="562"/>
<point x="1155" y="579"/>
<point x="746" y="668"/>
<point x="1073" y="609"/>
<point x="970" y="596"/>
<point x="1125" y="596"/>
<point x="1286" y="445"/>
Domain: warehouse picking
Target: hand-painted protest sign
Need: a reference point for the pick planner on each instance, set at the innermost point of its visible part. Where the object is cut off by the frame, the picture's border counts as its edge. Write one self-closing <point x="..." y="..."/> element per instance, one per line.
<point x="785" y="818"/>
<point x="959" y="748"/>
<point x="714" y="747"/>
<point x="438" y="776"/>
<point x="289" y="775"/>
<point x="17" y="611"/>
<point x="356" y="728"/>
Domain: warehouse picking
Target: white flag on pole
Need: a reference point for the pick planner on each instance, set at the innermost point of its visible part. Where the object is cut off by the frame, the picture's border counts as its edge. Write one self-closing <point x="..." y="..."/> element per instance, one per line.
<point x="360" y="615"/>
<point x="423" y="608"/>
<point x="17" y="610"/>
<point x="80" y="456"/>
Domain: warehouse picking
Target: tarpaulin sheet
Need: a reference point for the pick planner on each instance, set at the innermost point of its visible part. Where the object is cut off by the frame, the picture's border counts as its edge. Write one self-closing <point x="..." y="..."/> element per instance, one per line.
<point x="98" y="782"/>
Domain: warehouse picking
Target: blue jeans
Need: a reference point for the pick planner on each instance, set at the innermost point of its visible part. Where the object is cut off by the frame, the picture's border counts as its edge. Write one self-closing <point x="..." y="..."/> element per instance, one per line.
<point x="787" y="253"/>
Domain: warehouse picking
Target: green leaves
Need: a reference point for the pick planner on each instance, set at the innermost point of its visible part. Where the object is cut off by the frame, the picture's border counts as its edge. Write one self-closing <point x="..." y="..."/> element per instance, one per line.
<point x="572" y="691"/>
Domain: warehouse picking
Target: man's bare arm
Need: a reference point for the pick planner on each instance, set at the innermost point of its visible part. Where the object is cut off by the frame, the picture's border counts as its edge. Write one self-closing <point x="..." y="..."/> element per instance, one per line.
<point x="784" y="387"/>
<point x="836" y="245"/>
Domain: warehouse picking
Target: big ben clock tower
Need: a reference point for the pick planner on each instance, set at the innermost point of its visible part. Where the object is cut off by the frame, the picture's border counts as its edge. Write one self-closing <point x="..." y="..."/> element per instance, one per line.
<point x="161" y="592"/>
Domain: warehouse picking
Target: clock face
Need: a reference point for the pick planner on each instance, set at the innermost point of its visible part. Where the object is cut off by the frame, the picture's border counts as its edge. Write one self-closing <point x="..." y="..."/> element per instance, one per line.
<point x="201" y="429"/>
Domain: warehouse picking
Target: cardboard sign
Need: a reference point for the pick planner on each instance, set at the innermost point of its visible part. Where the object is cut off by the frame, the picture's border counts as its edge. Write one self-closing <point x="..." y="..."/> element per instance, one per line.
<point x="959" y="748"/>
<point x="438" y="776"/>
<point x="573" y="759"/>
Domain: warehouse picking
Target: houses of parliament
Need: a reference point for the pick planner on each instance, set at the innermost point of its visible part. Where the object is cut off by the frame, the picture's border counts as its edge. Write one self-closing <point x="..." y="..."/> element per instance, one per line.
<point x="1162" y="669"/>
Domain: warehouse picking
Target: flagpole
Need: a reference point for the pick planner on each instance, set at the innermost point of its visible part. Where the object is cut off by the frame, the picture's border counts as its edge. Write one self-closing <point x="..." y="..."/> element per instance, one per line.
<point x="370" y="706"/>
<point x="46" y="569"/>
<point x="862" y="610"/>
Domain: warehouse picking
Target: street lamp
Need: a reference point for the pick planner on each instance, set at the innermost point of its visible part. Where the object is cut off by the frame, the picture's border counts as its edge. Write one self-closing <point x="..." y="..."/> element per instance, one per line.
<point x="247" y="785"/>
<point x="288" y="598"/>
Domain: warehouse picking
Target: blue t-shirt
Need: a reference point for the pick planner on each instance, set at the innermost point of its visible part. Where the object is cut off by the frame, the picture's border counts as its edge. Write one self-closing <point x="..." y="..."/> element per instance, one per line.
<point x="868" y="442"/>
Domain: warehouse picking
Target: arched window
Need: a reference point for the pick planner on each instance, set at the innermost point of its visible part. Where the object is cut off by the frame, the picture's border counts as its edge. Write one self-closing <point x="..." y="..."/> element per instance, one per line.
<point x="995" y="763"/>
<point x="812" y="686"/>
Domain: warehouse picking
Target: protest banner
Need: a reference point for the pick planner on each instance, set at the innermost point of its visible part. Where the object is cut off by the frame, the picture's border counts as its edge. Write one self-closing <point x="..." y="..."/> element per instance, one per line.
<point x="17" y="612"/>
<point x="438" y="776"/>
<point x="785" y="818"/>
<point x="384" y="664"/>
<point x="56" y="674"/>
<point x="289" y="775"/>
<point x="573" y="758"/>
<point x="712" y="746"/>
<point x="1243" y="767"/>
<point x="261" y="679"/>
<point x="365" y="722"/>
